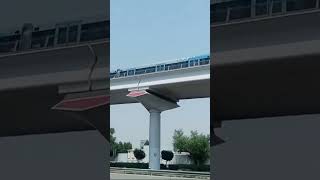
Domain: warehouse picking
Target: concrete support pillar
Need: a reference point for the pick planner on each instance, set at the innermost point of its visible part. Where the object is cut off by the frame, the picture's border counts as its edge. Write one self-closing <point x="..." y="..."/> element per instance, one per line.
<point x="155" y="103"/>
<point x="154" y="139"/>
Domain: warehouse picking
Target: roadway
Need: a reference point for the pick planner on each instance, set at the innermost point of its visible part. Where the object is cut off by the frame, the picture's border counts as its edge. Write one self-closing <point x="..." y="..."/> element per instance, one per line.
<point x="115" y="176"/>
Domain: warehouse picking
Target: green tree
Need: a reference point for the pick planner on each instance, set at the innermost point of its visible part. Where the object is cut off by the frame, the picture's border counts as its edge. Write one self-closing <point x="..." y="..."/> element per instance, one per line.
<point x="167" y="156"/>
<point x="127" y="146"/>
<point x="146" y="143"/>
<point x="121" y="147"/>
<point x="112" y="142"/>
<point x="139" y="154"/>
<point x="179" y="141"/>
<point x="197" y="145"/>
<point x="112" y="138"/>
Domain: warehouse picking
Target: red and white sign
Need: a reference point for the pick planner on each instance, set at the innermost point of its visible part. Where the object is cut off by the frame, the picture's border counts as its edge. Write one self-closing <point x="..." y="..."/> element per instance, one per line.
<point x="137" y="93"/>
<point x="82" y="103"/>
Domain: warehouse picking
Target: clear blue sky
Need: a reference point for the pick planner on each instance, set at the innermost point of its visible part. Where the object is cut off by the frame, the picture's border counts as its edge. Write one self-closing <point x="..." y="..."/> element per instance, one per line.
<point x="149" y="31"/>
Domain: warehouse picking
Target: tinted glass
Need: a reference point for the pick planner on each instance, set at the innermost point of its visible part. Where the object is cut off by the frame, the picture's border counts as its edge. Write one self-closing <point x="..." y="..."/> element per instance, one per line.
<point x="62" y="36"/>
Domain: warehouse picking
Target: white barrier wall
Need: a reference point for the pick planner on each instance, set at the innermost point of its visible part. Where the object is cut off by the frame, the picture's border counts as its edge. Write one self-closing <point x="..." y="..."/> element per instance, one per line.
<point x="121" y="157"/>
<point x="178" y="158"/>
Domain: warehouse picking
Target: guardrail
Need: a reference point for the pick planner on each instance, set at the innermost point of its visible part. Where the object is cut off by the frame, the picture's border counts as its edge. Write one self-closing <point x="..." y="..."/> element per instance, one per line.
<point x="165" y="173"/>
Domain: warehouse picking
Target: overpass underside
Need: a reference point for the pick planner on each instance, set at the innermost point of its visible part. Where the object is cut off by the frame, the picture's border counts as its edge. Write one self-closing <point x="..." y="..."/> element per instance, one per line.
<point x="266" y="67"/>
<point x="268" y="88"/>
<point x="29" y="111"/>
<point x="33" y="82"/>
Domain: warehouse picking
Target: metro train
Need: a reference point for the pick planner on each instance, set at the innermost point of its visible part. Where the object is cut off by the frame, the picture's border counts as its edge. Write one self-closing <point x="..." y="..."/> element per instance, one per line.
<point x="224" y="11"/>
<point x="66" y="33"/>
<point x="180" y="64"/>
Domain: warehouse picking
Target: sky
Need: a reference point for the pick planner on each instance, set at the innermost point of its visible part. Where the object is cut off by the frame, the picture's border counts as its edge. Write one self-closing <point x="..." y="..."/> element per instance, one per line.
<point x="145" y="32"/>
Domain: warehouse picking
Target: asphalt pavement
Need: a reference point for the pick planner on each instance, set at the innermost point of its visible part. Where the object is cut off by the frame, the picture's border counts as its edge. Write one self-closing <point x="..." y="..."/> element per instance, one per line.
<point x="115" y="176"/>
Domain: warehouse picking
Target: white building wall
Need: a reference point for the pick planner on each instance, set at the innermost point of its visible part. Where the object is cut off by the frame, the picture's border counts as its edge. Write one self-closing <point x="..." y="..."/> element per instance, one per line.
<point x="181" y="158"/>
<point x="132" y="159"/>
<point x="122" y="157"/>
<point x="178" y="158"/>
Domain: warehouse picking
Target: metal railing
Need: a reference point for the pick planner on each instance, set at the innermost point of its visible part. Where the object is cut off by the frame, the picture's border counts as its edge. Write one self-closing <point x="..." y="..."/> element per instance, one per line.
<point x="163" y="67"/>
<point x="164" y="173"/>
<point x="236" y="10"/>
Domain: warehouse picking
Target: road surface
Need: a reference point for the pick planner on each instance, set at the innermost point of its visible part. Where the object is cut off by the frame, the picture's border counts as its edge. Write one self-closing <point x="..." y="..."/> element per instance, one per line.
<point x="115" y="176"/>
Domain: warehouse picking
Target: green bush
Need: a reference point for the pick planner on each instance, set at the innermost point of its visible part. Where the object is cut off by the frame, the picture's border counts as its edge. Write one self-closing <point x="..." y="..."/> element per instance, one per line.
<point x="193" y="167"/>
<point x="130" y="165"/>
<point x="187" y="167"/>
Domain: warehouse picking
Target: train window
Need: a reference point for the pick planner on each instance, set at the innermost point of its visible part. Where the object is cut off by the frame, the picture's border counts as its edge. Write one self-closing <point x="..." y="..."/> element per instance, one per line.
<point x="175" y="66"/>
<point x="169" y="66"/>
<point x="9" y="38"/>
<point x="7" y="46"/>
<point x="131" y="72"/>
<point x="123" y="73"/>
<point x="196" y="62"/>
<point x="41" y="38"/>
<point x="160" y="67"/>
<point x="204" y="61"/>
<point x="294" y="5"/>
<point x="140" y="71"/>
<point x="184" y="64"/>
<point x="191" y="63"/>
<point x="73" y="33"/>
<point x="8" y="43"/>
<point x="62" y="36"/>
<point x="38" y="40"/>
<point x="94" y="31"/>
<point x="238" y="9"/>
<point x="112" y="75"/>
<point x="151" y="69"/>
<point x="218" y="15"/>
<point x="166" y="67"/>
<point x="277" y="6"/>
<point x="261" y="7"/>
<point x="240" y="12"/>
<point x="50" y="41"/>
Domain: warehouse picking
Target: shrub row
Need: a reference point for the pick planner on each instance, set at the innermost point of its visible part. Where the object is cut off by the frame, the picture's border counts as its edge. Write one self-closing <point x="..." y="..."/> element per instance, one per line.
<point x="130" y="165"/>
